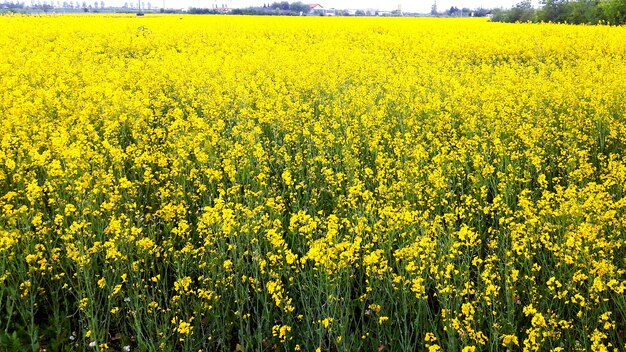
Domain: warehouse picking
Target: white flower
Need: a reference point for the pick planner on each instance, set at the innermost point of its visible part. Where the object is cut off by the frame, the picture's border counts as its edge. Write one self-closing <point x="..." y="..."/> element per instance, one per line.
<point x="92" y="344"/>
<point x="127" y="348"/>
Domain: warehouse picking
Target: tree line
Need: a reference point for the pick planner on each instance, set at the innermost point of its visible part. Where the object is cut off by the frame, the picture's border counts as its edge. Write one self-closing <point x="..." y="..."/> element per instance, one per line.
<point x="275" y="8"/>
<point x="611" y="12"/>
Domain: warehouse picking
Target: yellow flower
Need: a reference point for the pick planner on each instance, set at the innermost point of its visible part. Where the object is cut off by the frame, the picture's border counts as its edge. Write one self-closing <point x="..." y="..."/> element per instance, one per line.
<point x="228" y="265"/>
<point x="83" y="303"/>
<point x="182" y="285"/>
<point x="508" y="340"/>
<point x="287" y="178"/>
<point x="281" y="332"/>
<point x="326" y="322"/>
<point x="183" y="327"/>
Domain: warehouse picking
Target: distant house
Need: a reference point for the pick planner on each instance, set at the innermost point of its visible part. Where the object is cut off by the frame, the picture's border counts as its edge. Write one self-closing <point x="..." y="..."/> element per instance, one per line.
<point x="317" y="9"/>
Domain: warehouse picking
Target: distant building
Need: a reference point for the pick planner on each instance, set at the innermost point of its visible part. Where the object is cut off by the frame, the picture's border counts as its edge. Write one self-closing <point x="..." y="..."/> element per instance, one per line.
<point x="317" y="9"/>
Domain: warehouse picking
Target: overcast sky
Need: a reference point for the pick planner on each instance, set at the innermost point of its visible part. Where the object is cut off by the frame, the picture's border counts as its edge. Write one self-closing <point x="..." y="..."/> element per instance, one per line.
<point x="412" y="6"/>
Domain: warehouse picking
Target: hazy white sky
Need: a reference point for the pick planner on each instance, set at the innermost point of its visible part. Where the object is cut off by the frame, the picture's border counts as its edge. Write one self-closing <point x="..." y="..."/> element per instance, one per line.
<point x="407" y="5"/>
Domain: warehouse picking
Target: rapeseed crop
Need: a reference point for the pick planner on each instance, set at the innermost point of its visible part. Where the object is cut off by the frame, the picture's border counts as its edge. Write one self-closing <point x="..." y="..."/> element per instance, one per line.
<point x="317" y="184"/>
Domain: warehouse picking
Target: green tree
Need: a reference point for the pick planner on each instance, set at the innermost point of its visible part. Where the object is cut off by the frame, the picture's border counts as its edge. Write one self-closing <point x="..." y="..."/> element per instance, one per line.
<point x="614" y="11"/>
<point x="553" y="11"/>
<point x="299" y="7"/>
<point x="583" y="11"/>
<point x="522" y="12"/>
<point x="283" y="5"/>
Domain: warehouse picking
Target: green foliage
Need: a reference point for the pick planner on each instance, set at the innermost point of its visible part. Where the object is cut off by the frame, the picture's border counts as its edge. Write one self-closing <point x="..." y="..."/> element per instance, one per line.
<point x="299" y="7"/>
<point x="566" y="11"/>
<point x="614" y="11"/>
<point x="283" y="8"/>
<point x="522" y="12"/>
<point x="553" y="11"/>
<point x="202" y="11"/>
<point x="583" y="11"/>
<point x="10" y="342"/>
<point x="283" y="5"/>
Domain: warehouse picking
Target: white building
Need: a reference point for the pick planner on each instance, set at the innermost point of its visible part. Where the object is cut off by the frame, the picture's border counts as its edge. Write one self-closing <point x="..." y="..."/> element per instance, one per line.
<point x="317" y="9"/>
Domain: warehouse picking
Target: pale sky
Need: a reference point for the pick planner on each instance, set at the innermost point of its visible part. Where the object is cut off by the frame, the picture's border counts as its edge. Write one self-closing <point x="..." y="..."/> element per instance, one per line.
<point x="411" y="6"/>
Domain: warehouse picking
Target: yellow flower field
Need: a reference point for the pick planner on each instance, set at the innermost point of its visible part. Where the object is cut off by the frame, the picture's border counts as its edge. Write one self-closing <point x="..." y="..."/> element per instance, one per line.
<point x="219" y="183"/>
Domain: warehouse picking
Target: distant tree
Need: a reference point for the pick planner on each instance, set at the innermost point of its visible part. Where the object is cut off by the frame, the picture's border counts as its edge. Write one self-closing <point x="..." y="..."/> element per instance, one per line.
<point x="583" y="11"/>
<point x="500" y="15"/>
<point x="522" y="12"/>
<point x="433" y="9"/>
<point x="283" y="5"/>
<point x="480" y="12"/>
<point x="299" y="7"/>
<point x="613" y="11"/>
<point x="452" y="11"/>
<point x="202" y="11"/>
<point x="553" y="11"/>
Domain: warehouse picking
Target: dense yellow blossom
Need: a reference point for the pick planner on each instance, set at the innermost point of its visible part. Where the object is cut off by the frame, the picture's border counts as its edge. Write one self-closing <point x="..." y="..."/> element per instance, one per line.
<point x="229" y="183"/>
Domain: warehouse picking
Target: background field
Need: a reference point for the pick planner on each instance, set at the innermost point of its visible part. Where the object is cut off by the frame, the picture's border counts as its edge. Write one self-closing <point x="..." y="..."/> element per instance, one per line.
<point x="241" y="183"/>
